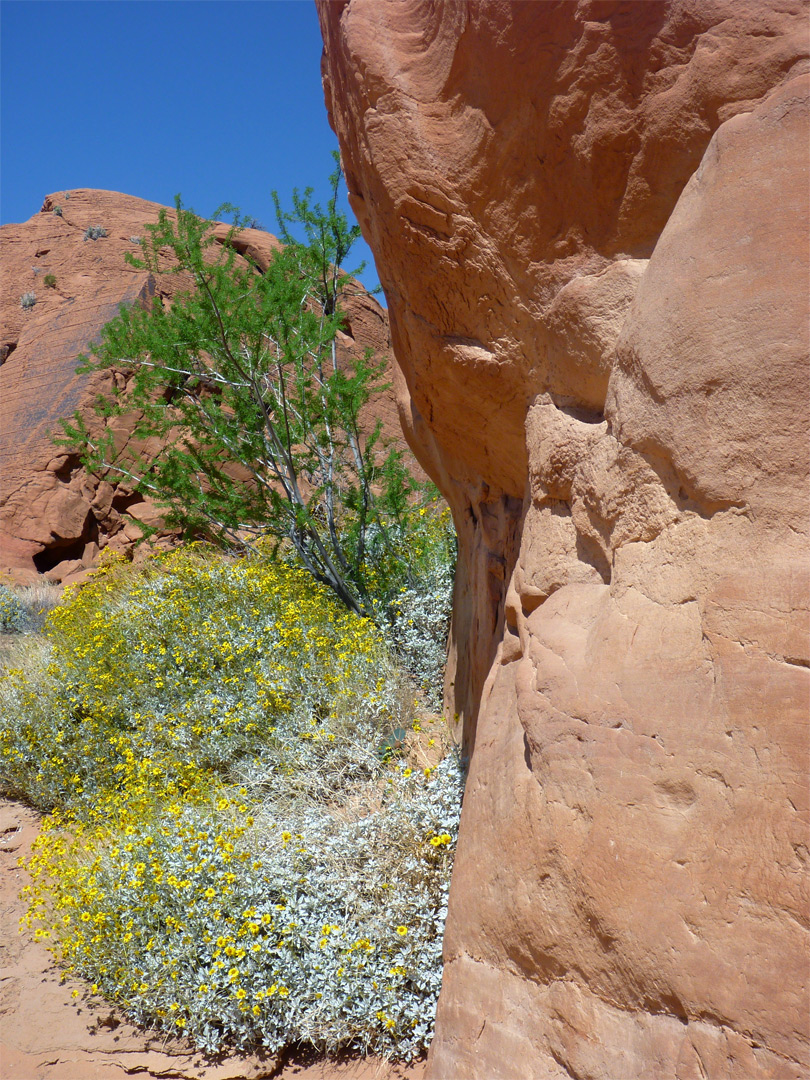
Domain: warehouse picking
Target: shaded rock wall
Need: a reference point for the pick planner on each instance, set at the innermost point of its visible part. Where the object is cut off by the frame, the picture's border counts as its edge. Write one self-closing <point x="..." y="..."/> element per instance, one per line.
<point x="590" y="220"/>
<point x="54" y="517"/>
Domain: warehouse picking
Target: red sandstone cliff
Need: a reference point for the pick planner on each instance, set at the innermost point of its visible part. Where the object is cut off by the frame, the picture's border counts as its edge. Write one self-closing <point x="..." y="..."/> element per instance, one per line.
<point x="54" y="518"/>
<point x="590" y="221"/>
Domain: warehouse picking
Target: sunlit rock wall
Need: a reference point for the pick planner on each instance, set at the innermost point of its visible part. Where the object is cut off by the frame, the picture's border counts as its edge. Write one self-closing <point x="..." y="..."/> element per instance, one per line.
<point x="590" y="221"/>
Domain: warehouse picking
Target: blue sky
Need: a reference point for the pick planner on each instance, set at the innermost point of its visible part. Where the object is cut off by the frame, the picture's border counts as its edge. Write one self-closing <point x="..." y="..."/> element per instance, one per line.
<point x="219" y="100"/>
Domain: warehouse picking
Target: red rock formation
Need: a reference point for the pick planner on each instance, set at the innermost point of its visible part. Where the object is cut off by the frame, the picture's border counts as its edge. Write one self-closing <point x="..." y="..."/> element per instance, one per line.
<point x="53" y="516"/>
<point x="590" y="220"/>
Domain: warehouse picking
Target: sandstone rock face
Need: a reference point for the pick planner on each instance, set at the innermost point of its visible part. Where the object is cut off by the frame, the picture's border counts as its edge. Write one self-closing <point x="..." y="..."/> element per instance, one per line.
<point x="54" y="518"/>
<point x="590" y="220"/>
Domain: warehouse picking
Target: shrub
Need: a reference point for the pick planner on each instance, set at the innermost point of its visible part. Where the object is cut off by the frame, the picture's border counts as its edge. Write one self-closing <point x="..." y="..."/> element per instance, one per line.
<point x="235" y="852"/>
<point x="94" y="232"/>
<point x="420" y="604"/>
<point x="244" y="927"/>
<point x="12" y="612"/>
<point x="27" y="300"/>
<point x="57" y="210"/>
<point x="49" y="281"/>
<point x="196" y="657"/>
<point x="243" y="370"/>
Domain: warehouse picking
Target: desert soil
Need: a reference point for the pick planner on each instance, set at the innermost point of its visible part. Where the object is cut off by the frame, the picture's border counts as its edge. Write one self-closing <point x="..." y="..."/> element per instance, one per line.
<point x="47" y="1034"/>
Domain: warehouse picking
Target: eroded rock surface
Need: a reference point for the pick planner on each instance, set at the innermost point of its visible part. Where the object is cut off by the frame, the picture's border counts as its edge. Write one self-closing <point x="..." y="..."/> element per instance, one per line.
<point x="54" y="517"/>
<point x="590" y="220"/>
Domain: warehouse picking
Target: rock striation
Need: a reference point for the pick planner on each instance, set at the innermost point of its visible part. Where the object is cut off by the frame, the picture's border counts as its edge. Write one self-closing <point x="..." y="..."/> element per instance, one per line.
<point x="590" y="220"/>
<point x="54" y="517"/>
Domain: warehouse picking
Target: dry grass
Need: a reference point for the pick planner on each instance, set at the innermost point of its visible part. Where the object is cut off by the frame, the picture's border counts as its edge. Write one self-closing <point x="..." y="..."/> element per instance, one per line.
<point x="38" y="600"/>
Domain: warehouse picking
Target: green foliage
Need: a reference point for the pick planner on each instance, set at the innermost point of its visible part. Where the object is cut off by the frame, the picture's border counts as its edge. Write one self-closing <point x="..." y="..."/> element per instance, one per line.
<point x="49" y="281"/>
<point x="57" y="210"/>
<point x="239" y="381"/>
<point x="27" y="300"/>
<point x="231" y="854"/>
<point x="329" y="240"/>
<point x="94" y="232"/>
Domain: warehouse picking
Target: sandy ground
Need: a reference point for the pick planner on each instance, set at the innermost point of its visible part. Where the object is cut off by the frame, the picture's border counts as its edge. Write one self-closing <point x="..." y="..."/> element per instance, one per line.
<point x="46" y="1034"/>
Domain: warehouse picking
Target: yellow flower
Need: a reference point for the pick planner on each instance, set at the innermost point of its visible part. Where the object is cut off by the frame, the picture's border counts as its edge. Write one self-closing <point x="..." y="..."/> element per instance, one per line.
<point x="402" y="930"/>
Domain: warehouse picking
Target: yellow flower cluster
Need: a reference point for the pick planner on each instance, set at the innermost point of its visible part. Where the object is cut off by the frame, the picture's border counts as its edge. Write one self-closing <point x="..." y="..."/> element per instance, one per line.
<point x="158" y="875"/>
<point x="188" y="662"/>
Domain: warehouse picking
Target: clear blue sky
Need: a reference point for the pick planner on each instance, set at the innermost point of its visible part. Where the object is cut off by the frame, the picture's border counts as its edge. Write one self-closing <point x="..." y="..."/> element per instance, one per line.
<point x="218" y="100"/>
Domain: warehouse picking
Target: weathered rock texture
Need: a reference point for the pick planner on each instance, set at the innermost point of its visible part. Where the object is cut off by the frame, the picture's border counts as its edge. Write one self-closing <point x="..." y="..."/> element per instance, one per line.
<point x="54" y="518"/>
<point x="590" y="221"/>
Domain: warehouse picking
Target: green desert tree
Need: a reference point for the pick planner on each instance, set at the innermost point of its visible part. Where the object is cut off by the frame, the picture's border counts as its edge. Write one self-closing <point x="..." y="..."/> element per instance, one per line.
<point x="239" y="376"/>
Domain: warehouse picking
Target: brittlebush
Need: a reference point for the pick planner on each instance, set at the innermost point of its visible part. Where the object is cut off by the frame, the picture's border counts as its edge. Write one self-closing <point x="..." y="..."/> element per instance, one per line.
<point x="230" y="849"/>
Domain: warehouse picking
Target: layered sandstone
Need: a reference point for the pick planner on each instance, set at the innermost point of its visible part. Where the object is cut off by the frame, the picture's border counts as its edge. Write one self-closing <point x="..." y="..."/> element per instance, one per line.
<point x="54" y="517"/>
<point x="590" y="221"/>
